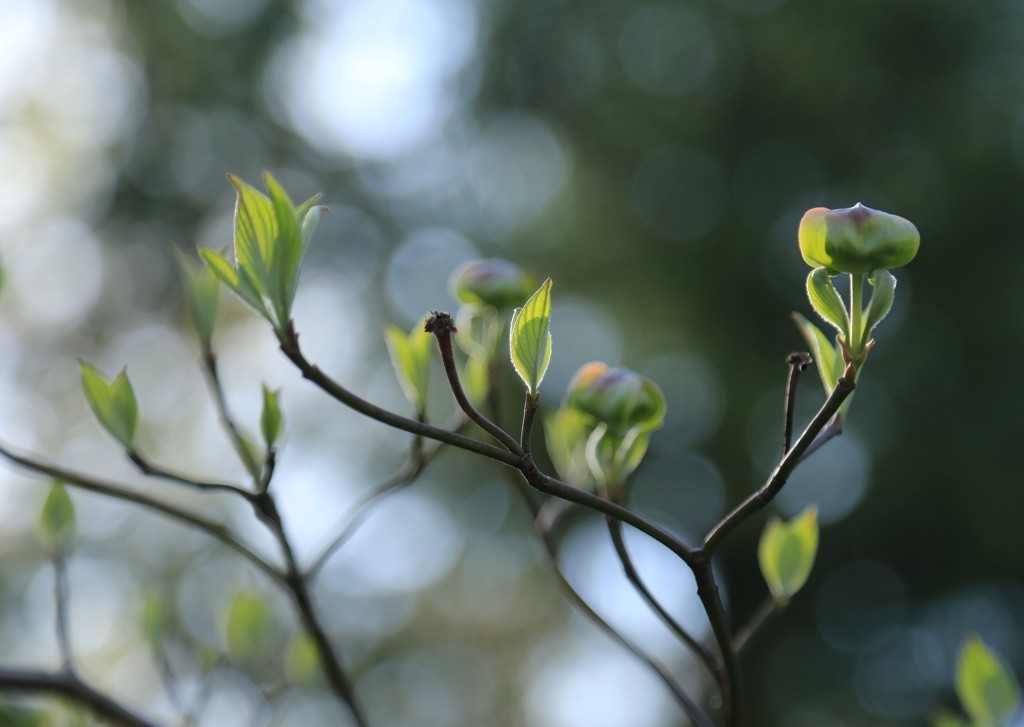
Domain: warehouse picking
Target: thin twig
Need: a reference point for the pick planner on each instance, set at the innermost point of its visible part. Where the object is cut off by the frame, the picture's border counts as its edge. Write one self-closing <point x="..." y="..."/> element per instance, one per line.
<point x="151" y="470"/>
<point x="797" y="363"/>
<point x="121" y="492"/>
<point x="290" y="348"/>
<point x="615" y="530"/>
<point x="212" y="376"/>
<point x="362" y="508"/>
<point x="60" y="594"/>
<point x="70" y="686"/>
<point x="545" y="523"/>
<point x="844" y="387"/>
<point x="768" y="608"/>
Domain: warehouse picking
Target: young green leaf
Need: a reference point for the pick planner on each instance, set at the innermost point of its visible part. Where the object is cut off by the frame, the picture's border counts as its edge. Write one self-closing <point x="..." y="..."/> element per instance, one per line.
<point x="255" y="234"/>
<point x="986" y="685"/>
<point x="530" y="339"/>
<point x="201" y="290"/>
<point x="884" y="284"/>
<point x="410" y="357"/>
<point x="56" y="524"/>
<point x="786" y="553"/>
<point x="113" y="403"/>
<point x="826" y="301"/>
<point x="566" y="432"/>
<point x="826" y="356"/>
<point x="249" y="626"/>
<point x="270" y="417"/>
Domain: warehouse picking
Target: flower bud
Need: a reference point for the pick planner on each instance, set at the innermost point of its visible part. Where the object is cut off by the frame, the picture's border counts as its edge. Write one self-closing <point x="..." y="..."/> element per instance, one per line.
<point x="857" y="239"/>
<point x="619" y="398"/>
<point x="494" y="282"/>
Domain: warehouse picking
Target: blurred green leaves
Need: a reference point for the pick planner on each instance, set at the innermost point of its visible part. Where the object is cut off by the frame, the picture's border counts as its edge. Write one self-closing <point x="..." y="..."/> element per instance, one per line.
<point x="113" y="403"/>
<point x="530" y="339"/>
<point x="410" y="357"/>
<point x="786" y="553"/>
<point x="986" y="685"/>
<point x="271" y="239"/>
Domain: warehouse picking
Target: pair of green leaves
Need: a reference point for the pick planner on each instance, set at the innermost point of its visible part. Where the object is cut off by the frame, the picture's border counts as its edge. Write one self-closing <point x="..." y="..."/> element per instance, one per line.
<point x="854" y="327"/>
<point x="986" y="686"/>
<point x="112" y="402"/>
<point x="271" y="239"/>
<point x="786" y="553"/>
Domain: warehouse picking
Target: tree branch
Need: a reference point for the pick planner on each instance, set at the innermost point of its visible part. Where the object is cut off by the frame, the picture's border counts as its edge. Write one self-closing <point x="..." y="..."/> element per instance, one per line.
<point x="69" y="686"/>
<point x="121" y="492"/>
<point x="290" y="348"/>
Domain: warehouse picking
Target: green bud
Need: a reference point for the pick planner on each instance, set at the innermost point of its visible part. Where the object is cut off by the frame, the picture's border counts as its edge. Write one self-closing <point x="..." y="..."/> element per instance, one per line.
<point x="619" y="398"/>
<point x="494" y="282"/>
<point x="857" y="239"/>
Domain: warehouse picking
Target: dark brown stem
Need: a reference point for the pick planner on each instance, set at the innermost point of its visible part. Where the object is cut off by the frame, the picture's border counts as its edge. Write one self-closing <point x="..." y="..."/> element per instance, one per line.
<point x="442" y="326"/>
<point x="70" y="686"/>
<point x="758" y="500"/>
<point x="151" y="470"/>
<point x="711" y="599"/>
<point x="290" y="347"/>
<point x="797" y="363"/>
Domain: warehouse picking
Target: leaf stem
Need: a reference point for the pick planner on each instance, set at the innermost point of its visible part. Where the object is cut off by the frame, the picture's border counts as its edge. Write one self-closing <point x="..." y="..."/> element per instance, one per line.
<point x="856" y="312"/>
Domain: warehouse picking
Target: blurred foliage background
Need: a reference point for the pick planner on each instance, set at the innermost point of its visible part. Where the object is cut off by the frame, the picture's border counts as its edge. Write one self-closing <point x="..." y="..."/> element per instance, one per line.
<point x="654" y="158"/>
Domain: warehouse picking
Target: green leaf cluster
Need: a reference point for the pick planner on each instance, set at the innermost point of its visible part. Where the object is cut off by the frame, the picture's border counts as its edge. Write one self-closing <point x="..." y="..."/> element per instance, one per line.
<point x="986" y="686"/>
<point x="410" y="357"/>
<point x="271" y="239"/>
<point x="786" y="553"/>
<point x="530" y="338"/>
<point x="113" y="403"/>
<point x="56" y="525"/>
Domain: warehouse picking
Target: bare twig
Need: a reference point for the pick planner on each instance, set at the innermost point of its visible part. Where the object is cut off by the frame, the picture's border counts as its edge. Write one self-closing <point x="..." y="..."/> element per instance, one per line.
<point x="290" y="348"/>
<point x="768" y="608"/>
<point x="121" y="492"/>
<point x="615" y="529"/>
<point x="797" y="363"/>
<point x="213" y="383"/>
<point x="545" y="522"/>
